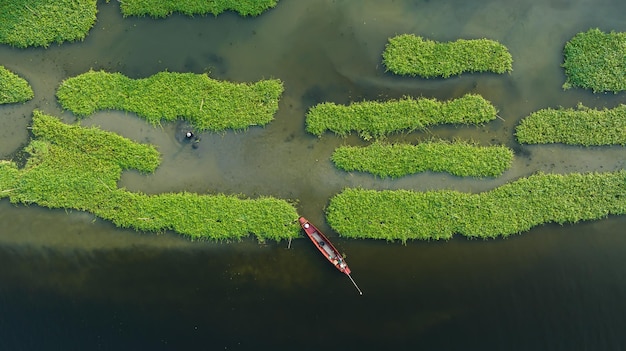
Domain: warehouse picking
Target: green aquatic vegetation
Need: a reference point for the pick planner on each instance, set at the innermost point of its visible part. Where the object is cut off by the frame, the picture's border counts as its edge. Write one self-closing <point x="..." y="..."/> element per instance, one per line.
<point x="164" y="8"/>
<point x="412" y="55"/>
<point x="377" y="119"/>
<point x="596" y="60"/>
<point x="78" y="168"/>
<point x="13" y="88"/>
<point x="207" y="104"/>
<point x="513" y="208"/>
<point x="25" y="23"/>
<point x="396" y="160"/>
<point x="580" y="126"/>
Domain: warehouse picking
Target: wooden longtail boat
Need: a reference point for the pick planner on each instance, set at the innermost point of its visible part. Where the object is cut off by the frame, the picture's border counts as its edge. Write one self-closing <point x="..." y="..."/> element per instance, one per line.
<point x="327" y="249"/>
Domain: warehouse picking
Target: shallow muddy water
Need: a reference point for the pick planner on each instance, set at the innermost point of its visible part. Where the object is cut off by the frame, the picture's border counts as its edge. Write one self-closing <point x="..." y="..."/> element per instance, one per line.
<point x="69" y="280"/>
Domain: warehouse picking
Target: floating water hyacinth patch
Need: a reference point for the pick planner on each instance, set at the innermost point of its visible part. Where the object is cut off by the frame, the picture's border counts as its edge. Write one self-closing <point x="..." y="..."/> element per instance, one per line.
<point x="27" y="23"/>
<point x="207" y="104"/>
<point x="13" y="88"/>
<point x="580" y="126"/>
<point x="412" y="55"/>
<point x="513" y="208"/>
<point x="373" y="119"/>
<point x="596" y="60"/>
<point x="396" y="160"/>
<point x="162" y="8"/>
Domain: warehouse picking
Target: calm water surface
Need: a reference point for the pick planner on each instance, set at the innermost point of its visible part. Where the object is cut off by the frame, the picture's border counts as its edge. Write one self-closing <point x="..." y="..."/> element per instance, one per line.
<point x="71" y="281"/>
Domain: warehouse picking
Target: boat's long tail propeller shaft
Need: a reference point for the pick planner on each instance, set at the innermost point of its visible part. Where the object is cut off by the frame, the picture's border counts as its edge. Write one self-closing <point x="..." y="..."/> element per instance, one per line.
<point x="356" y="286"/>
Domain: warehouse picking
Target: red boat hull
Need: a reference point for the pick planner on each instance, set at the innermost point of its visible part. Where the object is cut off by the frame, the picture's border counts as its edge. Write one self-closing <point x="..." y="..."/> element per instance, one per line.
<point x="324" y="246"/>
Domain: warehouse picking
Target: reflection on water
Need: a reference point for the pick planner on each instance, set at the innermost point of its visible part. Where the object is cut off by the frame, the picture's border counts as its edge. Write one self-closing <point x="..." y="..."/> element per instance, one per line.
<point x="68" y="276"/>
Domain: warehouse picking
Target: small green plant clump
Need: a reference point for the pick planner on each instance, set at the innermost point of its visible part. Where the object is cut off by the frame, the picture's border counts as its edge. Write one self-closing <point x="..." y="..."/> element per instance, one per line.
<point x="596" y="60"/>
<point x="396" y="160"/>
<point x="377" y="119"/>
<point x="164" y="8"/>
<point x="27" y="23"/>
<point x="581" y="126"/>
<point x="78" y="168"/>
<point x="510" y="209"/>
<point x="412" y="55"/>
<point x="13" y="88"/>
<point x="207" y="104"/>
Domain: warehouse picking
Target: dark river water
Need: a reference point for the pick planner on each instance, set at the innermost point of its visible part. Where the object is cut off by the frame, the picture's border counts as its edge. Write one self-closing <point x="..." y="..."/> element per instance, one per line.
<point x="69" y="281"/>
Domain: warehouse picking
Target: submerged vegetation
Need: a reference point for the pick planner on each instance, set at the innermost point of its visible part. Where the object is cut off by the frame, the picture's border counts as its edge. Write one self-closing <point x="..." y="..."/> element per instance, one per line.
<point x="206" y="103"/>
<point x="396" y="160"/>
<point x="73" y="167"/>
<point x="596" y="60"/>
<point x="42" y="22"/>
<point x="581" y="126"/>
<point x="377" y="119"/>
<point x="13" y="88"/>
<point x="412" y="55"/>
<point x="164" y="8"/>
<point x="509" y="209"/>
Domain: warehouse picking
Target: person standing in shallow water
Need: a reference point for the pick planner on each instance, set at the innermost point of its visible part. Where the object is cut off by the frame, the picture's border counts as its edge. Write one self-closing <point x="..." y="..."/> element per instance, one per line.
<point x="192" y="137"/>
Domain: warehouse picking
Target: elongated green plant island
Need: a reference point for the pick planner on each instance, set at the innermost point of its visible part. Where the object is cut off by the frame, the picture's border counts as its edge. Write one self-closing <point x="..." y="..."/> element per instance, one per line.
<point x="207" y="104"/>
<point x="73" y="167"/>
<point x="581" y="126"/>
<point x="412" y="55"/>
<point x="516" y="207"/>
<point x="596" y="60"/>
<point x="13" y="88"/>
<point x="373" y="119"/>
<point x="396" y="160"/>
<point x="164" y="8"/>
<point x="25" y="23"/>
